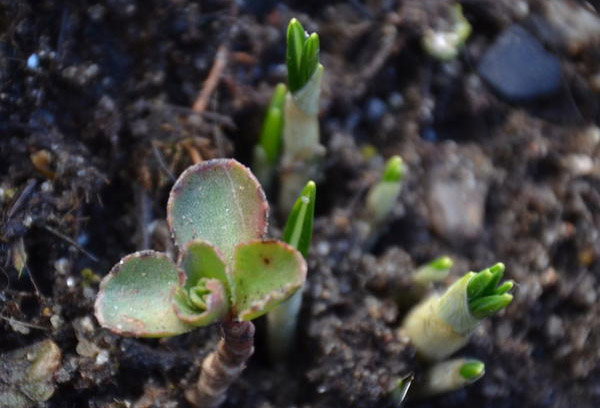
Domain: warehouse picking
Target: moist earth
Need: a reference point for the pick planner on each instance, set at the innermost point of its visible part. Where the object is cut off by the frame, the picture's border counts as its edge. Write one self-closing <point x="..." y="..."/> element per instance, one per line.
<point x="96" y="122"/>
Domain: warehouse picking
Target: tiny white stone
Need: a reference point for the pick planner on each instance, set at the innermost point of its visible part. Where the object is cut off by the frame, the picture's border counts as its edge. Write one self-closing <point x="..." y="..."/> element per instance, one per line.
<point x="33" y="61"/>
<point x="102" y="357"/>
<point x="56" y="321"/>
<point x="27" y="221"/>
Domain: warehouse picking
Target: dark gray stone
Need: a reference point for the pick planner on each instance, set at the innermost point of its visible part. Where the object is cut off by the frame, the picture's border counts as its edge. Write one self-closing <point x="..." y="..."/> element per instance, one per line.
<point x="518" y="68"/>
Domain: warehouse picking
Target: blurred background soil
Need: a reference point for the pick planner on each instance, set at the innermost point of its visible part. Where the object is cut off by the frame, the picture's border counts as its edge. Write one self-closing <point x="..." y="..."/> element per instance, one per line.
<point x="502" y="146"/>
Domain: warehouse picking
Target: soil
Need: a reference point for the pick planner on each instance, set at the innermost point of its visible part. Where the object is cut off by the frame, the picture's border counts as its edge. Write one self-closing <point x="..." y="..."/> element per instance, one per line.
<point x="96" y="122"/>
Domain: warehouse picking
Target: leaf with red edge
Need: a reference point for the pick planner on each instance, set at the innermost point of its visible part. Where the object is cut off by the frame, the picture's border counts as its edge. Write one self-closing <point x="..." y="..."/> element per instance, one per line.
<point x="265" y="273"/>
<point x="135" y="297"/>
<point x="219" y="201"/>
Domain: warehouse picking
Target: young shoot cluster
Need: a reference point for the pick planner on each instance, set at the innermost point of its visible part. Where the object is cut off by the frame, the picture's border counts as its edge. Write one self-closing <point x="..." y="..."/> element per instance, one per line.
<point x="302" y="55"/>
<point x="442" y="324"/>
<point x="289" y="140"/>
<point x="485" y="295"/>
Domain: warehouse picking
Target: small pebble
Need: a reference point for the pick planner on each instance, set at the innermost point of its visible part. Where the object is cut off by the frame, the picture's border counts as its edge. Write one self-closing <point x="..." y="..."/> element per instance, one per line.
<point x="518" y="68"/>
<point x="33" y="62"/>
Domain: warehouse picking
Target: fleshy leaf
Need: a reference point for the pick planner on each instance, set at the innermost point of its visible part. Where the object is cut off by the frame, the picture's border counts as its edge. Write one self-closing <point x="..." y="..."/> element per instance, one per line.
<point x="199" y="260"/>
<point x="135" y="297"/>
<point x="202" y="304"/>
<point x="299" y="225"/>
<point x="265" y="274"/>
<point x="219" y="201"/>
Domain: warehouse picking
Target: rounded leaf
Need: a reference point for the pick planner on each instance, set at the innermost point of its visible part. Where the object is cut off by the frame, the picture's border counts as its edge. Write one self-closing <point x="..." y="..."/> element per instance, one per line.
<point x="265" y="274"/>
<point x="135" y="297"/>
<point x="219" y="201"/>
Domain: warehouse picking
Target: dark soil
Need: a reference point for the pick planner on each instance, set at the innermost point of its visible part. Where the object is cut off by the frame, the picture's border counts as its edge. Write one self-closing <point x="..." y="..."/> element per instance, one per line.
<point x="96" y="122"/>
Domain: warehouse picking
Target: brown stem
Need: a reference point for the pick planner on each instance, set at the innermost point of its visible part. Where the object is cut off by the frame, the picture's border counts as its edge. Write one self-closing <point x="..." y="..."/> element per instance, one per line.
<point x="224" y="365"/>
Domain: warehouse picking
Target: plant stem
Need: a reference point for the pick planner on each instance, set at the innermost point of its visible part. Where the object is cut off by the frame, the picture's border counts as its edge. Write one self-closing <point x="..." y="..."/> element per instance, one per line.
<point x="224" y="365"/>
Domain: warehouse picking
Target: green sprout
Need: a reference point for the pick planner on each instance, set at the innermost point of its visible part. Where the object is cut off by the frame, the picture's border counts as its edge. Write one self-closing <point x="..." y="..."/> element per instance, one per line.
<point x="226" y="272"/>
<point x="381" y="200"/>
<point x="283" y="320"/>
<point x="382" y="197"/>
<point x="302" y="151"/>
<point x="302" y="55"/>
<point x="484" y="294"/>
<point x="434" y="271"/>
<point x="449" y="376"/>
<point x="445" y="45"/>
<point x="298" y="228"/>
<point x="442" y="324"/>
<point x="472" y="370"/>
<point x="266" y="152"/>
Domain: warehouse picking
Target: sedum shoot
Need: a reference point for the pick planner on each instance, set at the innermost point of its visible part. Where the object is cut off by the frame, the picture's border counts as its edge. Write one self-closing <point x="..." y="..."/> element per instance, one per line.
<point x="226" y="273"/>
<point x="445" y="45"/>
<point x="442" y="324"/>
<point x="381" y="200"/>
<point x="266" y="152"/>
<point x="449" y="376"/>
<point x="283" y="320"/>
<point x="423" y="279"/>
<point x="382" y="197"/>
<point x="302" y="151"/>
<point x="432" y="272"/>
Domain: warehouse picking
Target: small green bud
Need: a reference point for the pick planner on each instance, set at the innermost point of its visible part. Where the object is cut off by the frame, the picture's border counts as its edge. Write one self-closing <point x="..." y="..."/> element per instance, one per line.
<point x="298" y="228"/>
<point x="505" y="287"/>
<point x="485" y="297"/>
<point x="433" y="271"/>
<point x="478" y="283"/>
<point x="310" y="57"/>
<point x="472" y="370"/>
<point x="197" y="294"/>
<point x="272" y="129"/>
<point x="445" y="45"/>
<point x="302" y="55"/>
<point x="394" y="170"/>
<point x="487" y="306"/>
<point x="497" y="272"/>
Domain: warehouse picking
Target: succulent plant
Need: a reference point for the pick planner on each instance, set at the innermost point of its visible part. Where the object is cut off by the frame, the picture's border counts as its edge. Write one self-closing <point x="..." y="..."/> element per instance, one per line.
<point x="442" y="324"/>
<point x="226" y="272"/>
